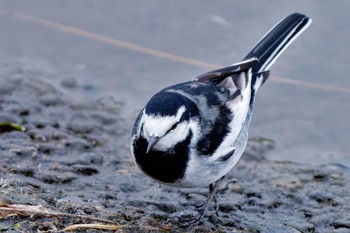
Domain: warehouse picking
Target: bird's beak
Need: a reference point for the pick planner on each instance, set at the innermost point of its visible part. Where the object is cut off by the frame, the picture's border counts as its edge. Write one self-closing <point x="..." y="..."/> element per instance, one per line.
<point x="151" y="142"/>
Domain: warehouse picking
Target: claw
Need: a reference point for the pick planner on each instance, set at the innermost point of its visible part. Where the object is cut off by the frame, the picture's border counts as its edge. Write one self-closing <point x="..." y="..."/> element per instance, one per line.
<point x="192" y="221"/>
<point x="213" y="188"/>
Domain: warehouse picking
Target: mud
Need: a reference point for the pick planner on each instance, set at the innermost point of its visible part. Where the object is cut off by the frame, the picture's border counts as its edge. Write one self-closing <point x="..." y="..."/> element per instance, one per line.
<point x="74" y="158"/>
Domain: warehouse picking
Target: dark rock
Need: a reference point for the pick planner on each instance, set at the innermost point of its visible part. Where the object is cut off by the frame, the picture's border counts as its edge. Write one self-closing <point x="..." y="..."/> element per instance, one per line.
<point x="81" y="123"/>
<point x="342" y="223"/>
<point x="85" y="170"/>
<point x="57" y="178"/>
<point x="69" y="82"/>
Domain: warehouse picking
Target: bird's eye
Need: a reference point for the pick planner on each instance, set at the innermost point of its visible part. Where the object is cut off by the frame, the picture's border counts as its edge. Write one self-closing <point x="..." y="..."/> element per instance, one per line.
<point x="174" y="126"/>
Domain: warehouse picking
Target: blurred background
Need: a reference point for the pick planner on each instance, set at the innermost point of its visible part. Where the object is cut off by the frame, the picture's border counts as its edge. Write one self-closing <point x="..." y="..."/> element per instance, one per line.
<point x="132" y="49"/>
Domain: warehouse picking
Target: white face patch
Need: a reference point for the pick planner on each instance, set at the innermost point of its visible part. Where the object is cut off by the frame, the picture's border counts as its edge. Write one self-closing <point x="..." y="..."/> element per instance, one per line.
<point x="159" y="126"/>
<point x="173" y="137"/>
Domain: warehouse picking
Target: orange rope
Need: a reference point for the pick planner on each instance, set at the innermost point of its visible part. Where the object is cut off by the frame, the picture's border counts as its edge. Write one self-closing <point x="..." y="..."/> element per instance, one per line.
<point x="153" y="52"/>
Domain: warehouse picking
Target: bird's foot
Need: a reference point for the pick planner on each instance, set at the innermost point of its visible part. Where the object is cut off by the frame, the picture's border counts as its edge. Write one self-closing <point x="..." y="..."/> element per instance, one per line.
<point x="186" y="218"/>
<point x="213" y="188"/>
<point x="194" y="220"/>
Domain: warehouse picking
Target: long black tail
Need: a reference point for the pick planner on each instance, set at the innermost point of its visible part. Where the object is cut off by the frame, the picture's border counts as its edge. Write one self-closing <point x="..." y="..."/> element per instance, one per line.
<point x="265" y="53"/>
<point x="271" y="46"/>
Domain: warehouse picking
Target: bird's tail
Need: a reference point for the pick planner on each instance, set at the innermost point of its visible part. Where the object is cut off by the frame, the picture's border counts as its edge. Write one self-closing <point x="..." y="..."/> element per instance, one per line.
<point x="271" y="46"/>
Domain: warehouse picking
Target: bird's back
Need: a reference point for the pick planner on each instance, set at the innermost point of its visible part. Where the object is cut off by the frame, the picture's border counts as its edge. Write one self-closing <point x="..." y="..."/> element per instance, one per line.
<point x="214" y="115"/>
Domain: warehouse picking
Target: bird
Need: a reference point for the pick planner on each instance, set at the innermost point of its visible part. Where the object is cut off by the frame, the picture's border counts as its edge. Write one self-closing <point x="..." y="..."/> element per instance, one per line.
<point x="193" y="133"/>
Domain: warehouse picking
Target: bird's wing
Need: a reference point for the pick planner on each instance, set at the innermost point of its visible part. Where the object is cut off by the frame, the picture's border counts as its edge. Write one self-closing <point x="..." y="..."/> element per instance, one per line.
<point x="219" y="75"/>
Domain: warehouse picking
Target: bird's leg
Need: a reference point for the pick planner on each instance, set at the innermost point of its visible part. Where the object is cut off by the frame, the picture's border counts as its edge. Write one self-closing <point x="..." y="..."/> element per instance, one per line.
<point x="216" y="204"/>
<point x="202" y="207"/>
<point x="213" y="188"/>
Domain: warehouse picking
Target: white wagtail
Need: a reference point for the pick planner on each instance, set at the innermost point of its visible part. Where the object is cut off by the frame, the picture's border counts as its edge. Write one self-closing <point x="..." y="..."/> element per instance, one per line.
<point x="192" y="134"/>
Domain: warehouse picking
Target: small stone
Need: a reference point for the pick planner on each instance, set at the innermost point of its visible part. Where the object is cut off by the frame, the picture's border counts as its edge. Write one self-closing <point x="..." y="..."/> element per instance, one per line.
<point x="323" y="198"/>
<point x="85" y="170"/>
<point x="81" y="123"/>
<point x="4" y="201"/>
<point x="342" y="223"/>
<point x="288" y="183"/>
<point x="301" y="225"/>
<point x="320" y="175"/>
<point x="64" y="178"/>
<point x="24" y="150"/>
<point x="69" y="82"/>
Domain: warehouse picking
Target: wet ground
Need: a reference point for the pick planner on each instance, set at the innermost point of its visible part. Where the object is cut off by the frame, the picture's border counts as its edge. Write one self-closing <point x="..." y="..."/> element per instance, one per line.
<point x="74" y="158"/>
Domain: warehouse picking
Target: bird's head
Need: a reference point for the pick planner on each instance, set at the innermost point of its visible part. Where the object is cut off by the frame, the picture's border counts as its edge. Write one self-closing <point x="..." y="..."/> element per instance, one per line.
<point x="166" y="121"/>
